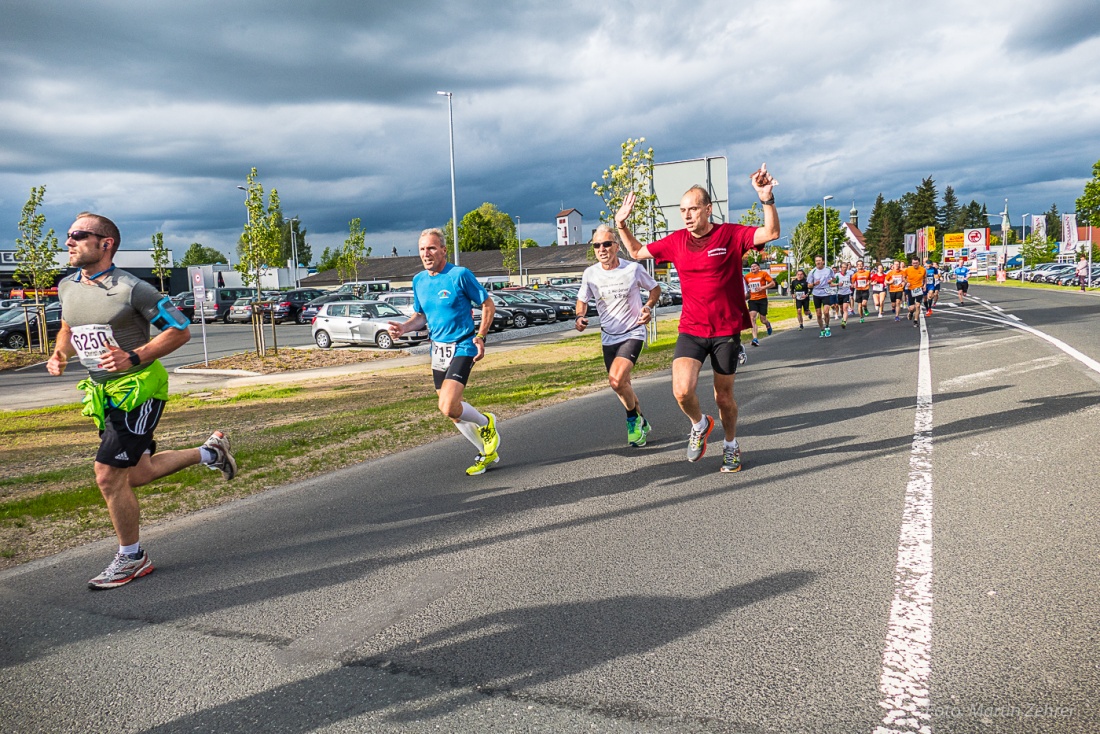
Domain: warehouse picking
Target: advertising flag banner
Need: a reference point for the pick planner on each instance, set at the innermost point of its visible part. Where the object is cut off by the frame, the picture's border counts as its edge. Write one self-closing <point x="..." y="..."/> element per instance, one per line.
<point x="1039" y="226"/>
<point x="1069" y="229"/>
<point x="910" y="243"/>
<point x="930" y="238"/>
<point x="977" y="238"/>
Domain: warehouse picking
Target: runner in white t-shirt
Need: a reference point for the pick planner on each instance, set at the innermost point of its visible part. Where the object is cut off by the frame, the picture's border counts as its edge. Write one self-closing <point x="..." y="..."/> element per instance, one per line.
<point x="617" y="286"/>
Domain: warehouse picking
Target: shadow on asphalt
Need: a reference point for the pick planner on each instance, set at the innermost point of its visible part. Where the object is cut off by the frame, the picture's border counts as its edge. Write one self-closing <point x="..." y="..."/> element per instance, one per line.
<point x="496" y="654"/>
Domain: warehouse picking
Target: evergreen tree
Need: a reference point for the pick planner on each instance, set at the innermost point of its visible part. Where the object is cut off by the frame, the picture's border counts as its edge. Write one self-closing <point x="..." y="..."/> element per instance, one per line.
<point x="873" y="234"/>
<point x="920" y="206"/>
<point x="1054" y="223"/>
<point x="949" y="212"/>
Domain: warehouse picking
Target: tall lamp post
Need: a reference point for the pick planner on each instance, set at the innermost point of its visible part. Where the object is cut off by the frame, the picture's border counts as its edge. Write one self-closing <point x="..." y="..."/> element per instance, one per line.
<point x="454" y="206"/>
<point x="519" y="248"/>
<point x="825" y="228"/>
<point x="294" y="249"/>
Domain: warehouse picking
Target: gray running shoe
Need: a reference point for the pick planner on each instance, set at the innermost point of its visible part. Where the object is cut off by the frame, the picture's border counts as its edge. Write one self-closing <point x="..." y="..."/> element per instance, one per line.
<point x="122" y="570"/>
<point x="742" y="355"/>
<point x="731" y="459"/>
<point x="697" y="440"/>
<point x="225" y="462"/>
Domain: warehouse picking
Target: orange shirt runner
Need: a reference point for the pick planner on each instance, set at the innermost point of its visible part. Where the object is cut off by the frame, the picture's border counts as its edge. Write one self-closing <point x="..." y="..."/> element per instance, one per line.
<point x="915" y="276"/>
<point x="758" y="284"/>
<point x="895" y="280"/>
<point x="861" y="279"/>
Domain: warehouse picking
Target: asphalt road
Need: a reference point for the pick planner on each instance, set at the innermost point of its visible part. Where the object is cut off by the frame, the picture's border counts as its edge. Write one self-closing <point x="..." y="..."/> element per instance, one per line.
<point x="582" y="585"/>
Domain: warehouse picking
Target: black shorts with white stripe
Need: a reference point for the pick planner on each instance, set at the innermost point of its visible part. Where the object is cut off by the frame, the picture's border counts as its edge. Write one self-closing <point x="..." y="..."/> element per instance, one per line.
<point x="126" y="436"/>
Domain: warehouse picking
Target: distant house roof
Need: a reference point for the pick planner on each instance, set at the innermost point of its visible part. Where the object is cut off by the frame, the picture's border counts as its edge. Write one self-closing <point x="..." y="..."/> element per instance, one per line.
<point x="485" y="263"/>
<point x="567" y="212"/>
<point x="855" y="239"/>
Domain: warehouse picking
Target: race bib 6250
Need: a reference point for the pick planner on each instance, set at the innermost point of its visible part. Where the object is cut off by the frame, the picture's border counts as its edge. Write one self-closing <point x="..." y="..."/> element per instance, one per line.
<point x="92" y="343"/>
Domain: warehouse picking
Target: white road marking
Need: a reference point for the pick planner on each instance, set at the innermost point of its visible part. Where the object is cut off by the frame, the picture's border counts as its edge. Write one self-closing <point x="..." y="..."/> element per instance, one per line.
<point x="1020" y="368"/>
<point x="907" y="658"/>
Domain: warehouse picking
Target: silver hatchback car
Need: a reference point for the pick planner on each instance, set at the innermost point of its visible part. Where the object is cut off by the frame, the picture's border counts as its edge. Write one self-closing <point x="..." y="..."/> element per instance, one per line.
<point x="360" y="322"/>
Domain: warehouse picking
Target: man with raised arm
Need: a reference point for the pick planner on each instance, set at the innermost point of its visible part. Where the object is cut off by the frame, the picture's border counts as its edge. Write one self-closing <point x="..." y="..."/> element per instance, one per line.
<point x="708" y="258"/>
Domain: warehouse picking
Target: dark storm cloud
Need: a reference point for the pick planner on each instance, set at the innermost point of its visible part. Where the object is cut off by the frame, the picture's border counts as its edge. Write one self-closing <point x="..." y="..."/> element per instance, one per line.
<point x="1056" y="27"/>
<point x="153" y="113"/>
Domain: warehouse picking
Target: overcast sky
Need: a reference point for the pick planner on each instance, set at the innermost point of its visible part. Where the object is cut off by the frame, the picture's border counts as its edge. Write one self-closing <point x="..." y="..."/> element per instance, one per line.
<point x="152" y="113"/>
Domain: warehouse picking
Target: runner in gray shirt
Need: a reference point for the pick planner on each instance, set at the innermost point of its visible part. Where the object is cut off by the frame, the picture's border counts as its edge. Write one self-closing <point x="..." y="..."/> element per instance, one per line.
<point x="105" y="318"/>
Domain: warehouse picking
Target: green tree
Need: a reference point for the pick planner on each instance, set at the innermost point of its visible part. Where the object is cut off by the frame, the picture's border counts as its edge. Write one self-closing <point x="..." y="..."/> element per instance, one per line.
<point x="1054" y="222"/>
<point x="36" y="257"/>
<point x="330" y="260"/>
<point x="1038" y="249"/>
<point x="920" y="206"/>
<point x="753" y="216"/>
<point x="803" y="245"/>
<point x="263" y="233"/>
<point x="835" y="233"/>
<point x="509" y="256"/>
<point x="354" y="253"/>
<point x="1088" y="203"/>
<point x="286" y="246"/>
<point x="949" y="212"/>
<point x="634" y="173"/>
<point x="484" y="228"/>
<point x="198" y="254"/>
<point x="162" y="264"/>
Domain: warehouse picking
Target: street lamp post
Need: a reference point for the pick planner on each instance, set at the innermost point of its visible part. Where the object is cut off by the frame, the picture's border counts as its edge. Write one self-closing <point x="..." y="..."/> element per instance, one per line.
<point x="825" y="227"/>
<point x="519" y="248"/>
<point x="294" y="249"/>
<point x="454" y="206"/>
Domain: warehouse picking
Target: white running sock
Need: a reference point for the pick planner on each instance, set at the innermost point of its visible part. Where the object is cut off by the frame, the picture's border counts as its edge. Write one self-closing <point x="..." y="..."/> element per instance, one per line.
<point x="471" y="414"/>
<point x="129" y="550"/>
<point x="469" y="430"/>
<point x="730" y="444"/>
<point x="702" y="424"/>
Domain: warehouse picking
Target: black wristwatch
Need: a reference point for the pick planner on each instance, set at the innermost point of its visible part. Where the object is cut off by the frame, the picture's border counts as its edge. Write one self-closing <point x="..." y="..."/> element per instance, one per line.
<point x="135" y="360"/>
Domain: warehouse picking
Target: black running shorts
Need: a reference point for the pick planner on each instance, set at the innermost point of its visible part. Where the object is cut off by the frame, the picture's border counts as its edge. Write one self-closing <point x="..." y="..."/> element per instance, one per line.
<point x="804" y="304"/>
<point x="722" y="350"/>
<point x="962" y="285"/>
<point x="861" y="296"/>
<point x="916" y="300"/>
<point x="895" y="296"/>
<point x="820" y="301"/>
<point x="760" y="305"/>
<point x="627" y="349"/>
<point x="126" y="436"/>
<point x="459" y="370"/>
<point x="843" y="298"/>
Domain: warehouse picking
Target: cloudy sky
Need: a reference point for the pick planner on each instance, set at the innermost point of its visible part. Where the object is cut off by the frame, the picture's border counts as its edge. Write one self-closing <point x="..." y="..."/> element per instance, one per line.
<point x="153" y="112"/>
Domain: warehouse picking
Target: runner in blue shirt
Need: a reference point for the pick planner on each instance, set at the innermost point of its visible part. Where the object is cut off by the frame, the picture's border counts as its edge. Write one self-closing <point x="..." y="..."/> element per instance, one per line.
<point x="444" y="296"/>
<point x="932" y="277"/>
<point x="962" y="280"/>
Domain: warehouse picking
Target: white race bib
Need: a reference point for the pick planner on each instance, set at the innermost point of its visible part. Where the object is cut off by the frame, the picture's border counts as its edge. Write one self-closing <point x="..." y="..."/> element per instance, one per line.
<point x="877" y="287"/>
<point x="916" y="292"/>
<point x="92" y="343"/>
<point x="442" y="354"/>
<point x="754" y="286"/>
<point x="800" y="296"/>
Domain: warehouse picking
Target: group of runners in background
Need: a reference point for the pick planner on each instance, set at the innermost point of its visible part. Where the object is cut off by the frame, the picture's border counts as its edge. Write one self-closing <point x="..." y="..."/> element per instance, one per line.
<point x="855" y="291"/>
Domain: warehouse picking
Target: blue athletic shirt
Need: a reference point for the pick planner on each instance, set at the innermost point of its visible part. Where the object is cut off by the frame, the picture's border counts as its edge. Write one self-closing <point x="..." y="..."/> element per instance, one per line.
<point x="930" y="277"/>
<point x="446" y="300"/>
<point x="962" y="273"/>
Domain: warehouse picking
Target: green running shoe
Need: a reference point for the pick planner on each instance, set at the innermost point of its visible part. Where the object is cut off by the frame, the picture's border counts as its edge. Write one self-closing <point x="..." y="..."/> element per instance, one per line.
<point x="481" y="463"/>
<point x="489" y="436"/>
<point x="636" y="430"/>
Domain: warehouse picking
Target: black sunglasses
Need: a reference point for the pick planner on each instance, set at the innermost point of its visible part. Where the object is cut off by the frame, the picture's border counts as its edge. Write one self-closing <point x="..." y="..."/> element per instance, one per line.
<point x="79" y="235"/>
<point x="610" y="243"/>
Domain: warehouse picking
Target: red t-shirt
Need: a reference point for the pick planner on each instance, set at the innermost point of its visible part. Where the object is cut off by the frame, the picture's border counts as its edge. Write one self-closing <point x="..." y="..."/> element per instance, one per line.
<point x="710" y="277"/>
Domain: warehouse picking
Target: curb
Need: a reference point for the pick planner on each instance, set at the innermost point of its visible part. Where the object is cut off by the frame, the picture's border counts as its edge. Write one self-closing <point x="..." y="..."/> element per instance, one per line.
<point x="204" y="371"/>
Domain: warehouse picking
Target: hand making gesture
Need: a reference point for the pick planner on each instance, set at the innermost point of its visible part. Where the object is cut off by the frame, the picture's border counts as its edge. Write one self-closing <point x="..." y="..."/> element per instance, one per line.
<point x="763" y="182"/>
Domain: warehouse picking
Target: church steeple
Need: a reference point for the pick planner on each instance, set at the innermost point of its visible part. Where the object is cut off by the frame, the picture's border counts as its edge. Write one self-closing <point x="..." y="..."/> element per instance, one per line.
<point x="853" y="215"/>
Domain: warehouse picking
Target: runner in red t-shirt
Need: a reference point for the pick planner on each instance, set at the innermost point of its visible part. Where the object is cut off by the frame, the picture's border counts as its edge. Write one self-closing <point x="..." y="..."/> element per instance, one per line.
<point x="708" y="258"/>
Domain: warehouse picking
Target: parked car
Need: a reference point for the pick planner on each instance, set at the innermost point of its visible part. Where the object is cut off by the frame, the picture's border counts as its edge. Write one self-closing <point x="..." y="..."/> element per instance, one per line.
<point x="13" y="326"/>
<point x="289" y="305"/>
<point x="523" y="312"/>
<point x="1051" y="275"/>
<point x="240" y="312"/>
<point x="401" y="300"/>
<point x="563" y="310"/>
<point x="309" y="311"/>
<point x="670" y="295"/>
<point x="224" y="298"/>
<point x="365" y="288"/>
<point x="359" y="322"/>
<point x="185" y="302"/>
<point x="502" y="319"/>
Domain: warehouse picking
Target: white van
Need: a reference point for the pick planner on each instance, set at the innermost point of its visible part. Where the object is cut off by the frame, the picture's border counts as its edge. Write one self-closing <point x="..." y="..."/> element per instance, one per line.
<point x="495" y="283"/>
